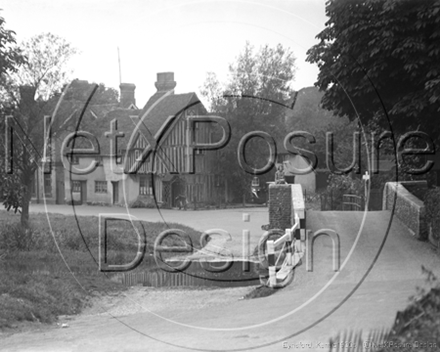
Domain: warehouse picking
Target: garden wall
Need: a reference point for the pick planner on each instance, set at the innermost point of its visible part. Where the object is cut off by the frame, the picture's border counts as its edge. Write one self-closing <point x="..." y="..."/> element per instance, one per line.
<point x="408" y="208"/>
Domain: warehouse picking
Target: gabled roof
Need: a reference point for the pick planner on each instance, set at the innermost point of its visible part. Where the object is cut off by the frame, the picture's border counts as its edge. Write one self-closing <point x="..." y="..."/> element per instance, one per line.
<point x="156" y="114"/>
<point x="158" y="110"/>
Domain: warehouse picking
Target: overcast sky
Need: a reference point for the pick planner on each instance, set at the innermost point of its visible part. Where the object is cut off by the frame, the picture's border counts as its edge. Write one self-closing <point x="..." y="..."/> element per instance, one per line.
<point x="186" y="37"/>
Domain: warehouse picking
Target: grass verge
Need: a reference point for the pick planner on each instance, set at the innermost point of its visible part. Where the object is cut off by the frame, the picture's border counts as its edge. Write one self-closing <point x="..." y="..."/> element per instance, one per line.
<point x="51" y="269"/>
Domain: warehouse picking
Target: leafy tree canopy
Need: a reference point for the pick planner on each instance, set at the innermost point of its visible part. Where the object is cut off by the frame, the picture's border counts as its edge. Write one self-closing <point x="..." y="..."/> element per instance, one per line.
<point x="10" y="59"/>
<point x="31" y="91"/>
<point x="255" y="97"/>
<point x="10" y="54"/>
<point x="46" y="66"/>
<point x="387" y="51"/>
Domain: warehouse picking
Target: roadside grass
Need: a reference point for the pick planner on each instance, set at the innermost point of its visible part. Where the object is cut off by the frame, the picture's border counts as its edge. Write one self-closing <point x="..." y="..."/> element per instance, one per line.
<point x="51" y="269"/>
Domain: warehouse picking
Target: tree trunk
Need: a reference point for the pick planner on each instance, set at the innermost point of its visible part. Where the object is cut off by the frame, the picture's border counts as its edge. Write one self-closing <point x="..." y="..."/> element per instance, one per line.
<point x="28" y="179"/>
<point x="25" y="214"/>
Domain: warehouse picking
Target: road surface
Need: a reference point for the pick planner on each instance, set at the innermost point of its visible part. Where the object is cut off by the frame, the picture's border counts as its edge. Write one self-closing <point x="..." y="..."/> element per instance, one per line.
<point x="375" y="279"/>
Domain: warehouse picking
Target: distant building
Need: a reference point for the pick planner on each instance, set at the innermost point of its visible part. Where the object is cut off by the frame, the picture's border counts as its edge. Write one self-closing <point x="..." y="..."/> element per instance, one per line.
<point x="49" y="184"/>
<point x="159" y="180"/>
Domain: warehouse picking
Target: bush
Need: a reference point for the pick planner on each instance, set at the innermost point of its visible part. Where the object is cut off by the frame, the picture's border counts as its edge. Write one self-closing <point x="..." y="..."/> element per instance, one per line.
<point x="96" y="203"/>
<point x="338" y="185"/>
<point x="420" y="321"/>
<point x="432" y="209"/>
<point x="346" y="183"/>
<point x="313" y="202"/>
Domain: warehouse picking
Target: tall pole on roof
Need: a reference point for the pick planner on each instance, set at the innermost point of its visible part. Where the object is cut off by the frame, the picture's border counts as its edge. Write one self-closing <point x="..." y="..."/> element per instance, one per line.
<point x="119" y="62"/>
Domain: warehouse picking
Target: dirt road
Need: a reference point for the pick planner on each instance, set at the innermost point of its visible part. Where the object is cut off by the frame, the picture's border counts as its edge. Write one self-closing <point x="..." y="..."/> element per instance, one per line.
<point x="364" y="294"/>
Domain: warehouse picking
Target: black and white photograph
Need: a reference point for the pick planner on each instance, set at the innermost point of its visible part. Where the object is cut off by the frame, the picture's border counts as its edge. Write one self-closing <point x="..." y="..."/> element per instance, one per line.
<point x="219" y="175"/>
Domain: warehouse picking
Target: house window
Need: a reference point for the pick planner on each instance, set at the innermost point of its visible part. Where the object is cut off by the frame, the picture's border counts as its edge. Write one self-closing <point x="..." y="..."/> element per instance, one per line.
<point x="145" y="185"/>
<point x="47" y="185"/>
<point x="100" y="186"/>
<point x="191" y="112"/>
<point x="137" y="155"/>
<point x="76" y="186"/>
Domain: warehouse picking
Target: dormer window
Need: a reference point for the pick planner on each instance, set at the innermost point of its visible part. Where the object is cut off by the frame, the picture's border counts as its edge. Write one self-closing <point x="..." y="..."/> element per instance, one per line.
<point x="137" y="155"/>
<point x="191" y="112"/>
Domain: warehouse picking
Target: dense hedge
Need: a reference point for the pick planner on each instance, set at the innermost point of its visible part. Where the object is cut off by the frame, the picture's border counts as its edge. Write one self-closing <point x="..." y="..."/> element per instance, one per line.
<point x="338" y="185"/>
<point x="432" y="208"/>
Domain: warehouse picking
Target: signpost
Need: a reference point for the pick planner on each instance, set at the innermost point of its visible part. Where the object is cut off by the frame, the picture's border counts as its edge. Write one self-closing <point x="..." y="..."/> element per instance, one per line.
<point x="366" y="178"/>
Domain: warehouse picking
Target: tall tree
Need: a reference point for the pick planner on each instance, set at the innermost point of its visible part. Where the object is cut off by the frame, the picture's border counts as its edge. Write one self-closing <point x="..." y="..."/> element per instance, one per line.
<point x="40" y="76"/>
<point x="10" y="59"/>
<point x="46" y="67"/>
<point x="379" y="58"/>
<point x="29" y="145"/>
<point x="254" y="98"/>
<point x="10" y="55"/>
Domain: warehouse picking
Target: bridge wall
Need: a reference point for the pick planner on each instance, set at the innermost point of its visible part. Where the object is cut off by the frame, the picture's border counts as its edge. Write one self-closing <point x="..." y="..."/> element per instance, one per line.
<point x="408" y="208"/>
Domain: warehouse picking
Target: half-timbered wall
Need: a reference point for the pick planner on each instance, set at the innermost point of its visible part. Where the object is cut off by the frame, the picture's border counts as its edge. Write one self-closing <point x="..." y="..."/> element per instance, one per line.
<point x="171" y="158"/>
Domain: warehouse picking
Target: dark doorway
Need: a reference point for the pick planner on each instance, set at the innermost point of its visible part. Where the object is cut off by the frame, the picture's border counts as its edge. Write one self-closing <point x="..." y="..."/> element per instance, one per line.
<point x="83" y="192"/>
<point x="60" y="192"/>
<point x="166" y="196"/>
<point x="177" y="190"/>
<point x="115" y="192"/>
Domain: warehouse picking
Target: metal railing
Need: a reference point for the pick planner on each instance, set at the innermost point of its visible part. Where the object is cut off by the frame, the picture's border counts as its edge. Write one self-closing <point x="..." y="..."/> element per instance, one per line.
<point x="352" y="202"/>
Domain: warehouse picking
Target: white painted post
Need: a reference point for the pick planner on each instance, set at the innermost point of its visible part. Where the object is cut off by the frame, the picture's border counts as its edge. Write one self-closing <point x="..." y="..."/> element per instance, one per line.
<point x="271" y="262"/>
<point x="366" y="178"/>
<point x="289" y="247"/>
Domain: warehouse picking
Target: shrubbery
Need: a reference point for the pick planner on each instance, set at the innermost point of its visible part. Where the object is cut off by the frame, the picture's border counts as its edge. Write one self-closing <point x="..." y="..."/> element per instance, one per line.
<point x="313" y="201"/>
<point x="96" y="203"/>
<point x="338" y="185"/>
<point x="420" y="321"/>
